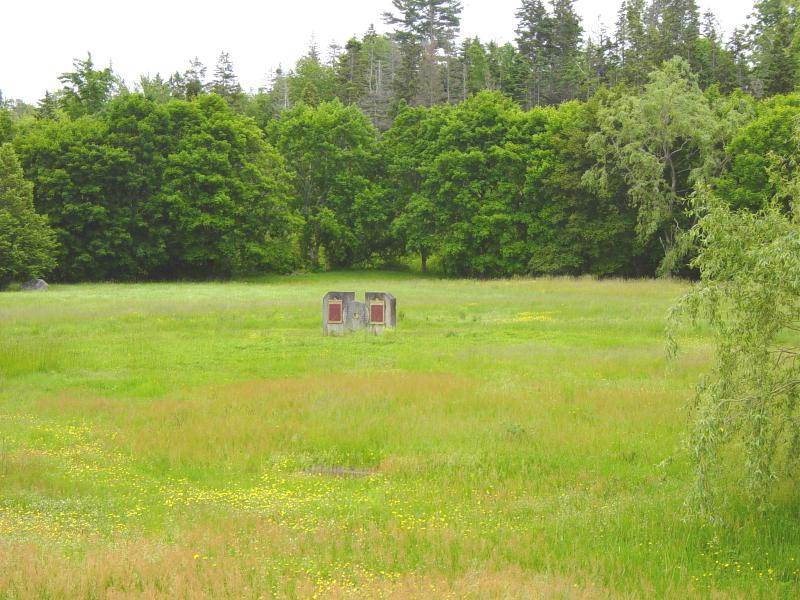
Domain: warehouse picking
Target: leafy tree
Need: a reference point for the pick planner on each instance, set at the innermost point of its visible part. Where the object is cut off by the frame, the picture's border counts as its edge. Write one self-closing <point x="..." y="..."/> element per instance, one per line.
<point x="191" y="83"/>
<point x="226" y="192"/>
<point x="746" y="182"/>
<point x="144" y="190"/>
<point x="573" y="229"/>
<point x="155" y="88"/>
<point x="332" y="152"/>
<point x="468" y="162"/>
<point x="409" y="147"/>
<point x="417" y="226"/>
<point x="749" y="293"/>
<point x="656" y="140"/>
<point x="27" y="243"/>
<point x="311" y="82"/>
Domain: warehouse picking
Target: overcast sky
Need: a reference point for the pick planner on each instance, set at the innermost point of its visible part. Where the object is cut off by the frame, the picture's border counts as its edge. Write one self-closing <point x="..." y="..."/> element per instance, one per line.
<point x="38" y="40"/>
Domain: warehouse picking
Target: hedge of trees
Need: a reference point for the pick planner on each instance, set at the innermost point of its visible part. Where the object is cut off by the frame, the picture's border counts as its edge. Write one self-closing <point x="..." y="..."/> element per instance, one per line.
<point x="555" y="155"/>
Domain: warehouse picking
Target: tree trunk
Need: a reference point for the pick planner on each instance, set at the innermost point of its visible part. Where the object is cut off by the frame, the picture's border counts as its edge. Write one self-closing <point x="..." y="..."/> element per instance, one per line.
<point x="424" y="258"/>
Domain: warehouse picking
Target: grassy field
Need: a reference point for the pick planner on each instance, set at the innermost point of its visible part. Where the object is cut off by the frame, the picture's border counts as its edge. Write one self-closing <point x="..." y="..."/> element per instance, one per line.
<point x="511" y="439"/>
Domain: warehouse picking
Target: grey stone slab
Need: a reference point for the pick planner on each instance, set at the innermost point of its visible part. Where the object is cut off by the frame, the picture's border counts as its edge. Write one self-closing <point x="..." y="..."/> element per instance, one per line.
<point x="34" y="285"/>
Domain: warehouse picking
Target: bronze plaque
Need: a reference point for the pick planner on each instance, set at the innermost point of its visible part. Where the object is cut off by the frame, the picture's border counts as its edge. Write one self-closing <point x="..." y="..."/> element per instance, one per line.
<point x="376" y="313"/>
<point x="335" y="313"/>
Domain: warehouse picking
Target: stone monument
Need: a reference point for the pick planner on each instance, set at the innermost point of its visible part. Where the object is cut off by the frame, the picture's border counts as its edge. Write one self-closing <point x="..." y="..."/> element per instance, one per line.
<point x="342" y="313"/>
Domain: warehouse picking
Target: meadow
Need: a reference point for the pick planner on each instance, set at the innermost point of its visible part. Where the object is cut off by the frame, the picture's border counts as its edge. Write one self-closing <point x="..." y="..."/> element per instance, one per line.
<point x="514" y="438"/>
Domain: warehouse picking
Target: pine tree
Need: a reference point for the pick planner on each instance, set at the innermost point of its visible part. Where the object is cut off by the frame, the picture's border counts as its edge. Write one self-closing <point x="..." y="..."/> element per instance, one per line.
<point x="225" y="82"/>
<point x="565" y="50"/>
<point x="774" y="46"/>
<point x="48" y="106"/>
<point x="599" y="61"/>
<point x="155" y="88"/>
<point x="738" y="48"/>
<point x="476" y="75"/>
<point x="673" y="28"/>
<point x="424" y="29"/>
<point x="631" y="43"/>
<point x="378" y="51"/>
<point x="350" y="73"/>
<point x="714" y="63"/>
<point x="534" y="38"/>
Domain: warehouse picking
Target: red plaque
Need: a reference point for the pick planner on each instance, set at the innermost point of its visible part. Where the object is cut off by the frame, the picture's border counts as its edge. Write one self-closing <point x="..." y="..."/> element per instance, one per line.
<point x="335" y="311"/>
<point x="376" y="313"/>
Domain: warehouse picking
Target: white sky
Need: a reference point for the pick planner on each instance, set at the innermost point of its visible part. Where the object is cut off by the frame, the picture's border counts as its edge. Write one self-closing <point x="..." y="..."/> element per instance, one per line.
<point x="38" y="40"/>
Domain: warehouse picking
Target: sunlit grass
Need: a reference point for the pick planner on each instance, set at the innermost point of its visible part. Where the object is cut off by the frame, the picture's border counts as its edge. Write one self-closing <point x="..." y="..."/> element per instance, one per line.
<point x="512" y="438"/>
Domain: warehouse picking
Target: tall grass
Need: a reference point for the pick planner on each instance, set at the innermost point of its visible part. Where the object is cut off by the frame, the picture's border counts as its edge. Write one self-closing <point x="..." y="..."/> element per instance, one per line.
<point x="511" y="439"/>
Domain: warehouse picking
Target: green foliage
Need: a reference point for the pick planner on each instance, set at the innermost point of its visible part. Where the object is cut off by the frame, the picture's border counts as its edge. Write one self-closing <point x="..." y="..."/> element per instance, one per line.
<point x="331" y="150"/>
<point x="27" y="243"/>
<point x="775" y="44"/>
<point x="6" y="125"/>
<point x="746" y="414"/>
<point x="225" y="83"/>
<point x="86" y="89"/>
<point x="147" y="190"/>
<point x="746" y="182"/>
<point x="495" y="191"/>
<point x="311" y="82"/>
<point x="576" y="230"/>
<point x="656" y="140"/>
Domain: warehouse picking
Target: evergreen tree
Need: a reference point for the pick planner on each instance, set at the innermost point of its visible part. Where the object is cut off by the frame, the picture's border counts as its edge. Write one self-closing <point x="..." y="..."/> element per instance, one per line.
<point x="350" y="71"/>
<point x="377" y="51"/>
<point x="6" y="125"/>
<point x="564" y="52"/>
<point x="738" y="49"/>
<point x="599" y="63"/>
<point x="475" y="74"/>
<point x="714" y="63"/>
<point x="631" y="42"/>
<point x="225" y="84"/>
<point x="423" y="28"/>
<point x="775" y="47"/>
<point x="534" y="38"/>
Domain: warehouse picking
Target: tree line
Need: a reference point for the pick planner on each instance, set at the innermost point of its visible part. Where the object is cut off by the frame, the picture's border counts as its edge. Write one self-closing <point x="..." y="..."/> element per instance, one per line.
<point x="557" y="154"/>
